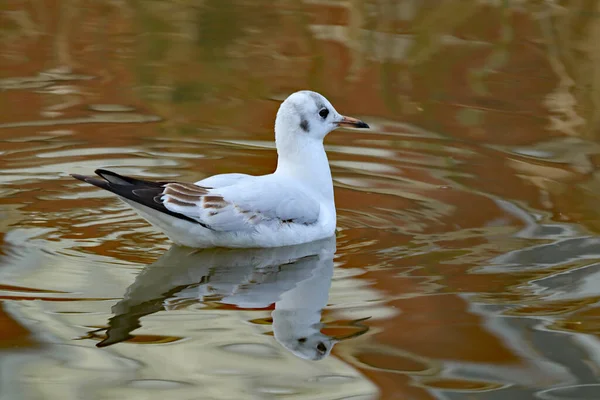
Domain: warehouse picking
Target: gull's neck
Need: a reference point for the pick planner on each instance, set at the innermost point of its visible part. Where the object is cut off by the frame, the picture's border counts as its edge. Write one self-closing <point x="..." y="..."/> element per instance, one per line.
<point x="298" y="311"/>
<point x="305" y="160"/>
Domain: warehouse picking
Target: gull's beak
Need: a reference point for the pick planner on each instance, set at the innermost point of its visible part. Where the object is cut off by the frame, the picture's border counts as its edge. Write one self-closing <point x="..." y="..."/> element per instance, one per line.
<point x="352" y="122"/>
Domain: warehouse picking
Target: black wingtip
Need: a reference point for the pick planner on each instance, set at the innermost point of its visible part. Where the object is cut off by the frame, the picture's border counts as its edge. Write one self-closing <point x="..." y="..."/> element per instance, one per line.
<point x="88" y="179"/>
<point x="92" y="180"/>
<point x="131" y="189"/>
<point x="100" y="171"/>
<point x="80" y="177"/>
<point x="116" y="179"/>
<point x="106" y="174"/>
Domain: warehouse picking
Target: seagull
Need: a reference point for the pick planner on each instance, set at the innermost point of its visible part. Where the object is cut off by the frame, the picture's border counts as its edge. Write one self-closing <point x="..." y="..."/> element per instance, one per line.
<point x="293" y="205"/>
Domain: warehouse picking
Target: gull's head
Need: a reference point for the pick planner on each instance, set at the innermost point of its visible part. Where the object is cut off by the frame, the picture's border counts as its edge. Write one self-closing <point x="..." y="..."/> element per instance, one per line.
<point x="312" y="347"/>
<point x="307" y="114"/>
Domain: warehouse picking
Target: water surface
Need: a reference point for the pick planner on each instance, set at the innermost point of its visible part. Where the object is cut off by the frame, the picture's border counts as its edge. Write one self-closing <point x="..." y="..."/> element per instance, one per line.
<point x="467" y="216"/>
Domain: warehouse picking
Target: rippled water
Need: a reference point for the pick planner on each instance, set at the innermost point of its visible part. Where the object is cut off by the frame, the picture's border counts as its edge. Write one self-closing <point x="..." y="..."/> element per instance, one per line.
<point x="467" y="259"/>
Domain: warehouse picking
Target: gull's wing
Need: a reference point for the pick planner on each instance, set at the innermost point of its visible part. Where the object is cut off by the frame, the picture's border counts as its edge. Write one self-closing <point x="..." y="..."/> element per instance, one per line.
<point x="243" y="202"/>
<point x="146" y="193"/>
<point x="243" y="205"/>
<point x="222" y="180"/>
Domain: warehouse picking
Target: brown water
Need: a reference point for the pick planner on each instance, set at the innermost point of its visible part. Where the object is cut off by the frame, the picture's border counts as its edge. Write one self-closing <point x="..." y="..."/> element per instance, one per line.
<point x="468" y="215"/>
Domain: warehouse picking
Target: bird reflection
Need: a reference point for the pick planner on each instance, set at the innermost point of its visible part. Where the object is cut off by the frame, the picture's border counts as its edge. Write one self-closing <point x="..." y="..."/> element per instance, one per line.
<point x="295" y="278"/>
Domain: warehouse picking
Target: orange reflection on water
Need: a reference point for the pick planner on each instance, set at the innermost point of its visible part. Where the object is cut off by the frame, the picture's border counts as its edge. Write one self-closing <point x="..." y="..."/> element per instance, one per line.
<point x="482" y="150"/>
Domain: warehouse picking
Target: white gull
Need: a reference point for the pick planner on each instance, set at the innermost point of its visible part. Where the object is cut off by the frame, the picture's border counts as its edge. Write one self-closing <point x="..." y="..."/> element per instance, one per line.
<point x="293" y="205"/>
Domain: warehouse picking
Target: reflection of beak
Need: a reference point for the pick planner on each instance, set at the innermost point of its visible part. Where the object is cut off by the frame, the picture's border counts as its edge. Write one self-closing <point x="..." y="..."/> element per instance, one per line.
<point x="352" y="122"/>
<point x="356" y="323"/>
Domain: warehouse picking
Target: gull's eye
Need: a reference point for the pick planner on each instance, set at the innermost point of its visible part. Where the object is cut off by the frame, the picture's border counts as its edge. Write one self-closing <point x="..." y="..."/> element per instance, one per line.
<point x="323" y="112"/>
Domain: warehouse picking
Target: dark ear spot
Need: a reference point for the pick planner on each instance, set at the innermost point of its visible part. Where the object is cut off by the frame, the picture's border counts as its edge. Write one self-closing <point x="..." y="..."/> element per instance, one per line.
<point x="302" y="340"/>
<point x="304" y="125"/>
